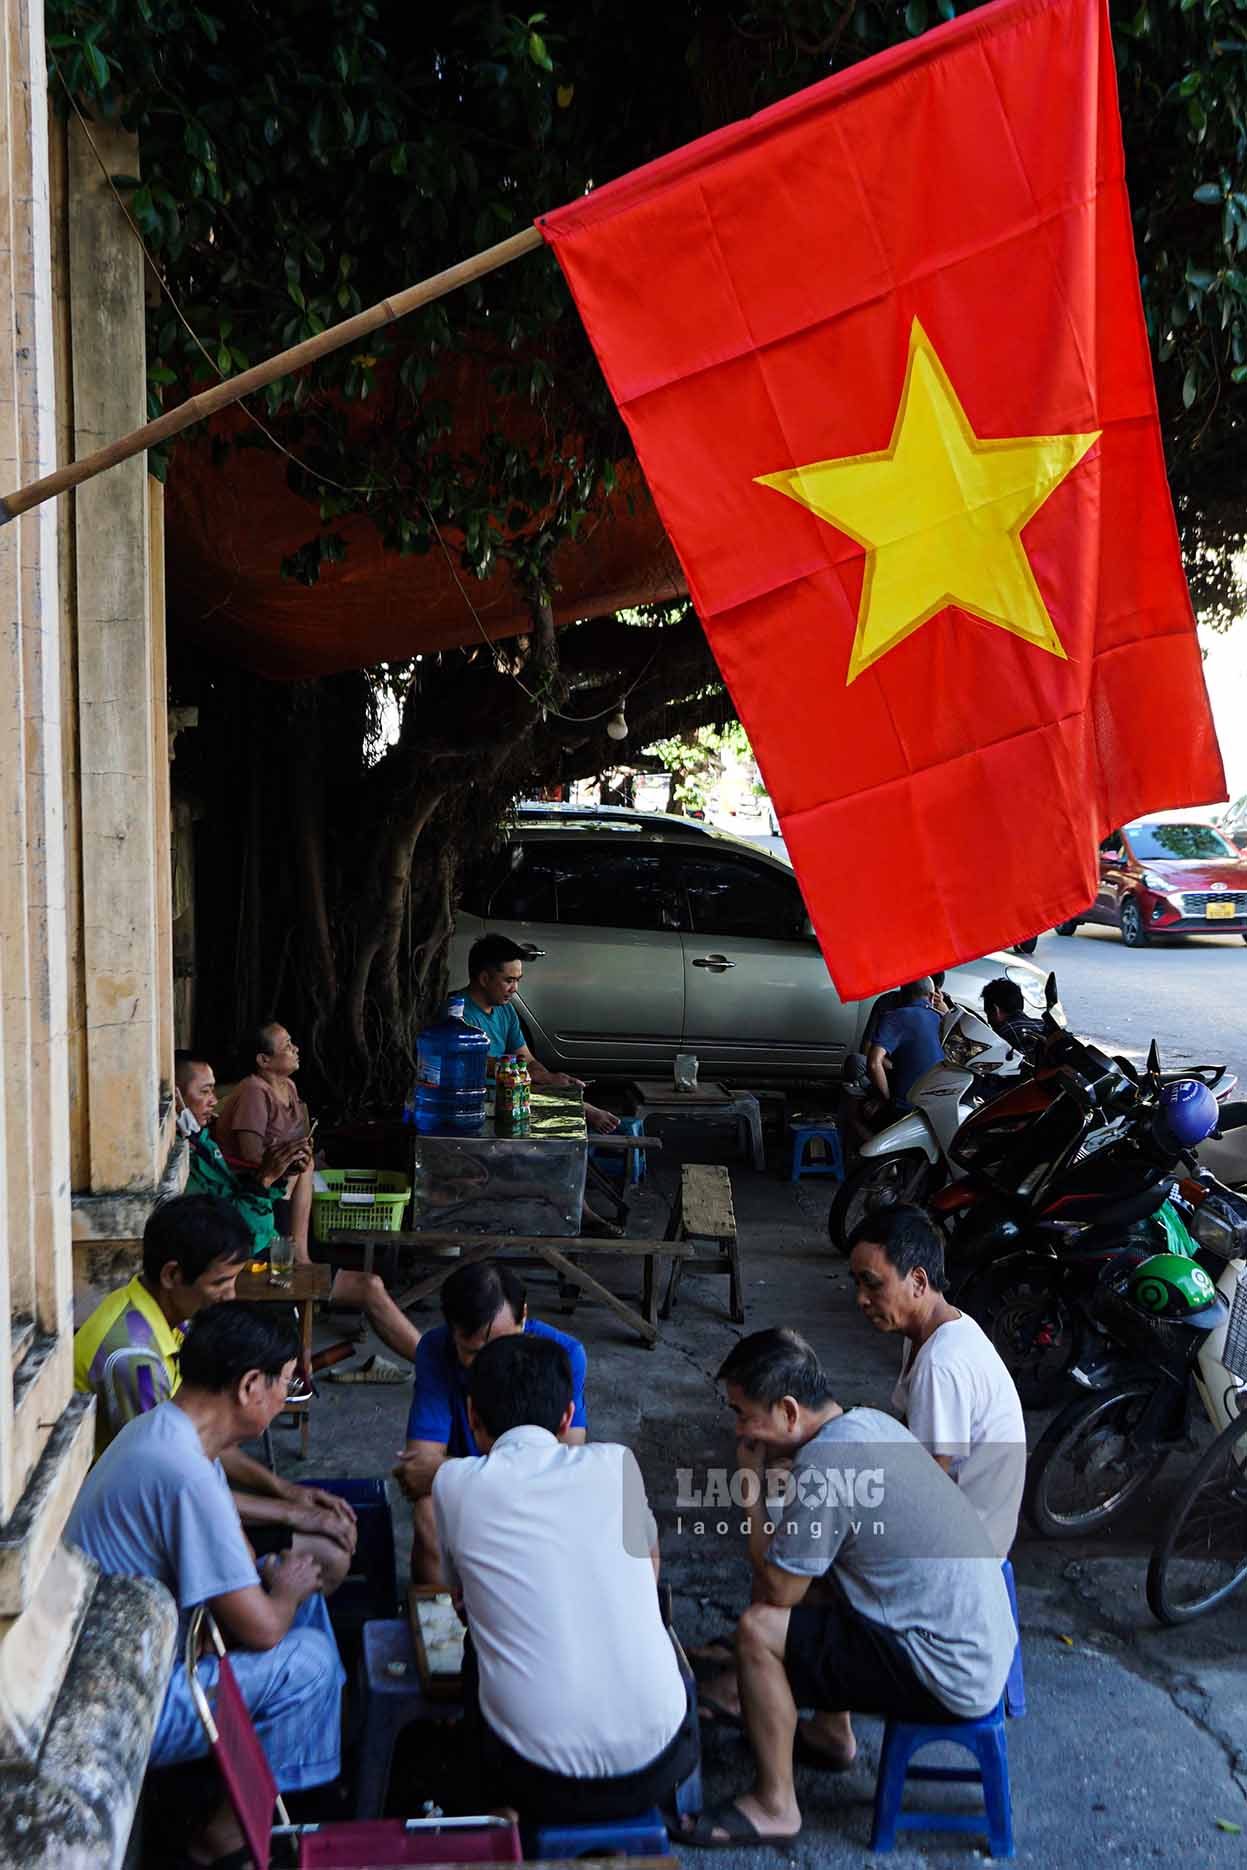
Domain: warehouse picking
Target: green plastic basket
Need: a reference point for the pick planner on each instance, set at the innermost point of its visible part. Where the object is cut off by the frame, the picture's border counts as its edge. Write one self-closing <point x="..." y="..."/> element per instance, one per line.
<point x="366" y="1201"/>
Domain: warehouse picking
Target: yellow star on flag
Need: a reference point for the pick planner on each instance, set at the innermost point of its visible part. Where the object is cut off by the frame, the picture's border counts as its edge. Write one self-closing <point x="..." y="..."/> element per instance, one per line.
<point x="940" y="513"/>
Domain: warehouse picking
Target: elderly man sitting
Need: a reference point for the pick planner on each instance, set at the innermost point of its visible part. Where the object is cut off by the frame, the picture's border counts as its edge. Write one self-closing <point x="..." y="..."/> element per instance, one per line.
<point x="953" y="1392"/>
<point x="553" y="1553"/>
<point x="260" y="1119"/>
<point x="877" y="1589"/>
<point x="127" y="1355"/>
<point x="156" y="1505"/>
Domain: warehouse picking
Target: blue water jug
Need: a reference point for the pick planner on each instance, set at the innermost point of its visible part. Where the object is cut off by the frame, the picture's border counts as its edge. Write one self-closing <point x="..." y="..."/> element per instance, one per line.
<point x="450" y="1075"/>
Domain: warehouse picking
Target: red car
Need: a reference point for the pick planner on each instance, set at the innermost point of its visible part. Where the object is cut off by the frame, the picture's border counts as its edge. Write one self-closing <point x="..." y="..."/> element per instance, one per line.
<point x="1168" y="876"/>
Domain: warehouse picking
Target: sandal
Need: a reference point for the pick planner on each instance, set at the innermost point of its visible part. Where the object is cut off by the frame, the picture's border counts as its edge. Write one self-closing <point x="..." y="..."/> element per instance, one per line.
<point x="713" y="1713"/>
<point x="376" y="1370"/>
<point x="741" y="1831"/>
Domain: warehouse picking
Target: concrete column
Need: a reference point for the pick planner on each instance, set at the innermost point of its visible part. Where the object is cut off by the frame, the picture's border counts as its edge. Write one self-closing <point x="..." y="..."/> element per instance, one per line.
<point x="117" y="751"/>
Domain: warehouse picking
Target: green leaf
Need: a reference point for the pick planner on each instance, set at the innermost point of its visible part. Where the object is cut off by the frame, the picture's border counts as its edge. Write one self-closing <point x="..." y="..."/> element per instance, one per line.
<point x="1227" y="1824"/>
<point x="1190" y="388"/>
<point x="340" y="62"/>
<point x="160" y="373"/>
<point x="97" y="63"/>
<point x="947" y="10"/>
<point x="916" y="17"/>
<point x="1239" y="373"/>
<point x="537" y="52"/>
<point x="272" y="130"/>
<point x="223" y="360"/>
<point x="1210" y="193"/>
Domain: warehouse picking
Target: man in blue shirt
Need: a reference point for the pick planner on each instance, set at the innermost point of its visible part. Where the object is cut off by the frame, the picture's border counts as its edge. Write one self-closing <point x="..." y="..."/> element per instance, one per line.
<point x="906" y="1043"/>
<point x="479" y="1303"/>
<point x="495" y="970"/>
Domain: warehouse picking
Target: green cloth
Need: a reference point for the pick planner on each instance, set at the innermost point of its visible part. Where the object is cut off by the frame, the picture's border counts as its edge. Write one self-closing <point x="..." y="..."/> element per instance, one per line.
<point x="210" y="1174"/>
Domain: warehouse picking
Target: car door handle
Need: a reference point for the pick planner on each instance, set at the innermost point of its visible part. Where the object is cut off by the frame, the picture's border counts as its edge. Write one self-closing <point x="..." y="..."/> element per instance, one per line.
<point x="532" y="952"/>
<point x="717" y="963"/>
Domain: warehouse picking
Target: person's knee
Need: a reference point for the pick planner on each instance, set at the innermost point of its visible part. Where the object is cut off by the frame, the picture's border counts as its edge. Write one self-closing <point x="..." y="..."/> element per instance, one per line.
<point x="334" y="1566"/>
<point x="760" y="1632"/>
<point x="373" y="1288"/>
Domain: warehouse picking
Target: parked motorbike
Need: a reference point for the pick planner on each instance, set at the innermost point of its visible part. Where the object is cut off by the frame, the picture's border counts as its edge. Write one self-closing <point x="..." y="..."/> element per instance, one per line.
<point x="1173" y="1350"/>
<point x="909" y="1158"/>
<point x="1084" y="1192"/>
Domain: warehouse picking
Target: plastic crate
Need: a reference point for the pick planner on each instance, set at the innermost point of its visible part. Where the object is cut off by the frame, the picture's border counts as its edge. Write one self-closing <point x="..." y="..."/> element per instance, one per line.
<point x="370" y="1589"/>
<point x="364" y="1200"/>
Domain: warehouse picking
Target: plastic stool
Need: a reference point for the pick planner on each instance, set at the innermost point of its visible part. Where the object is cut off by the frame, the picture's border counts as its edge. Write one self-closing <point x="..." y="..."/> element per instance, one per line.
<point x="628" y="1168"/>
<point x="643" y="1836"/>
<point x="985" y="1739"/>
<point x="393" y="1698"/>
<point x="1015" y="1686"/>
<point x="802" y="1134"/>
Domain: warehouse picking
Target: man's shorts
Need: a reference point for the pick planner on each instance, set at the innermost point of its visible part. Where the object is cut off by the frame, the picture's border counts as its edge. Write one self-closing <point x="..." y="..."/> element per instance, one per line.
<point x="841" y="1663"/>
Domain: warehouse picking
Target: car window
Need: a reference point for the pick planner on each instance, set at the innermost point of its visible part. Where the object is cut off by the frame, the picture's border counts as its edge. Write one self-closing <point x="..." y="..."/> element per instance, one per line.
<point x="1155" y="844"/>
<point x="1111" y="846"/>
<point x="529" y="893"/>
<point x="731" y="896"/>
<point x="596" y="887"/>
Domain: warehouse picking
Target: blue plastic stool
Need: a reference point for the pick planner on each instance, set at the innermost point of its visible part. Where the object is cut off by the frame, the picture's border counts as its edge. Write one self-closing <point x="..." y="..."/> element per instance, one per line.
<point x="1015" y="1686"/>
<point x="802" y="1134"/>
<point x="643" y="1836"/>
<point x="392" y="1698"/>
<point x="625" y="1168"/>
<point x="985" y="1739"/>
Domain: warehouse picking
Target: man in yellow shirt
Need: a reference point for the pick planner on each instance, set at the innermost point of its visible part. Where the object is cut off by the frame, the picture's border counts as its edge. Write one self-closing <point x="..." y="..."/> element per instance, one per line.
<point x="126" y="1355"/>
<point x="126" y="1352"/>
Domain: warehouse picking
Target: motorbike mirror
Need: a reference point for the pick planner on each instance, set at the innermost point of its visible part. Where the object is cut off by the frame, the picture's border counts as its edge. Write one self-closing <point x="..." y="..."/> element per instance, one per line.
<point x="1153" y="1060"/>
<point x="1051" y="996"/>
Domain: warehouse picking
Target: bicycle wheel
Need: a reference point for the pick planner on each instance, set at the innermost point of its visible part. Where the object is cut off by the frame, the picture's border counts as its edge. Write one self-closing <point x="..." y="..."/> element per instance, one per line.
<point x="1201" y="1555"/>
<point x="1088" y="1465"/>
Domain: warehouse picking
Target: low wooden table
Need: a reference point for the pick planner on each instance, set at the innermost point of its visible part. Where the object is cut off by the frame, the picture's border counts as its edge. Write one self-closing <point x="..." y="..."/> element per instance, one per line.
<point x="553" y="1249"/>
<point x="308" y="1282"/>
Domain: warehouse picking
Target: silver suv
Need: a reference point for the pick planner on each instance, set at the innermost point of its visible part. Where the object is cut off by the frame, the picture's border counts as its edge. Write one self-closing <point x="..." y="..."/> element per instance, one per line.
<point x="648" y="935"/>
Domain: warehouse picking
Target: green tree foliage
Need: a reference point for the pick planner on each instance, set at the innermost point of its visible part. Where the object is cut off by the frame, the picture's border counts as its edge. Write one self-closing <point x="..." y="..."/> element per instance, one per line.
<point x="302" y="158"/>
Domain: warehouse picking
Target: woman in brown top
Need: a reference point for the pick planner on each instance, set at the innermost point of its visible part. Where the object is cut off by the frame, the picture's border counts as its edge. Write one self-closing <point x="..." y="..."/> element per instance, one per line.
<point x="264" y="1111"/>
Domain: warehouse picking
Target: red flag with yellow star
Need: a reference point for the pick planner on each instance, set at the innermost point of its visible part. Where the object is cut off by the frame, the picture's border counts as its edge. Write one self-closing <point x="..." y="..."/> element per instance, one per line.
<point x="882" y="354"/>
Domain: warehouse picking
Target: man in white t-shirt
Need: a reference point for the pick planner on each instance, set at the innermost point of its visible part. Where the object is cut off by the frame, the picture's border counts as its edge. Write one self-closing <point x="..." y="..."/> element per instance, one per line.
<point x="954" y="1393"/>
<point x="552" y="1552"/>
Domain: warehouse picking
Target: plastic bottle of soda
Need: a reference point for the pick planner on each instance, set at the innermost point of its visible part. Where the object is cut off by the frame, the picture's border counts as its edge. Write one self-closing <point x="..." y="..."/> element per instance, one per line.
<point x="505" y="1088"/>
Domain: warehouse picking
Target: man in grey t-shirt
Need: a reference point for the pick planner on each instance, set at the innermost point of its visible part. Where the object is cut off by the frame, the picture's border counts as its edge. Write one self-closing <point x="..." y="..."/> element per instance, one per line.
<point x="157" y="1505"/>
<point x="876" y="1590"/>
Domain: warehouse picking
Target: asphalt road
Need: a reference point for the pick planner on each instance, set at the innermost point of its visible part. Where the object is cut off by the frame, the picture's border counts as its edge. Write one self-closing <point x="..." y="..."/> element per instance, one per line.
<point x="1191" y="996"/>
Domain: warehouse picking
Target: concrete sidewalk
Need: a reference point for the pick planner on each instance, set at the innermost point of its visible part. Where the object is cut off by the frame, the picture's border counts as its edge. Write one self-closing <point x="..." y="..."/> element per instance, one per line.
<point x="1135" y="1743"/>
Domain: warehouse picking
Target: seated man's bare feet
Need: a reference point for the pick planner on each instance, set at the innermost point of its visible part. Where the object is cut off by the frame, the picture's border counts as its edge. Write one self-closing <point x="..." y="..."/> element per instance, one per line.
<point x="829" y="1739"/>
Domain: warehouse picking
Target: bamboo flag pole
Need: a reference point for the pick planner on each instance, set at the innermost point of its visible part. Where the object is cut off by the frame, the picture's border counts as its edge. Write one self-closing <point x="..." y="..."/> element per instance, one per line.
<point x="233" y="388"/>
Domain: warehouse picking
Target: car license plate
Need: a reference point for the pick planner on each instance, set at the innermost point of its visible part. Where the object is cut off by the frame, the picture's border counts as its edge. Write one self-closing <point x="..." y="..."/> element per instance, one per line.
<point x="1219" y="912"/>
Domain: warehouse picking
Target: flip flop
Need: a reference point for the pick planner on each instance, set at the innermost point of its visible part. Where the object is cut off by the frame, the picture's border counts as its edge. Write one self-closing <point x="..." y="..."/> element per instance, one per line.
<point x="376" y="1370"/>
<point x="713" y="1714"/>
<point x="804" y="1753"/>
<point x="741" y="1831"/>
<point x="724" y="1656"/>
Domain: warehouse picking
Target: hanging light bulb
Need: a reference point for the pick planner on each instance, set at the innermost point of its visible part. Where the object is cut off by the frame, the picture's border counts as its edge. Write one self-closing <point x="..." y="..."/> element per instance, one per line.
<point x="617" y="726"/>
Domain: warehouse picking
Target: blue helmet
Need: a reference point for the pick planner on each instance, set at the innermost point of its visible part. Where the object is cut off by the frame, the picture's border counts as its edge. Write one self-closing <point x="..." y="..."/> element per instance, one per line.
<point x="1187" y="1114"/>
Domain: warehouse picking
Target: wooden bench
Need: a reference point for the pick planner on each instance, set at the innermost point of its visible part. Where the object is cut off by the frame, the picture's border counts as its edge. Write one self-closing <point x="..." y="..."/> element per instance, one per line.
<point x="703" y="1211"/>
